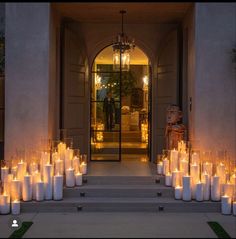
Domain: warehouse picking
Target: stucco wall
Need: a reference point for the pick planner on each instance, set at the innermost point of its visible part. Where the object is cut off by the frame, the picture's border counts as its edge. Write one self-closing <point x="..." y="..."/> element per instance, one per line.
<point x="27" y="75"/>
<point x="215" y="77"/>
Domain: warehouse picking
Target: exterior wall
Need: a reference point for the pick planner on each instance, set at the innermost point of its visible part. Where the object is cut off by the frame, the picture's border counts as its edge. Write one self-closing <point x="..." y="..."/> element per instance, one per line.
<point x="27" y="75"/>
<point x="214" y="99"/>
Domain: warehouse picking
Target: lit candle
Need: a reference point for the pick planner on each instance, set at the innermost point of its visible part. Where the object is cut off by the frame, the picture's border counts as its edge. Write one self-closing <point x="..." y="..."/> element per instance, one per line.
<point x="184" y="166"/>
<point x="39" y="190"/>
<point x="168" y="179"/>
<point x="199" y="191"/>
<point x="207" y="167"/>
<point x="220" y="171"/>
<point x="15" y="189"/>
<point x="68" y="158"/>
<point x="55" y="156"/>
<point x="7" y="184"/>
<point x="228" y="189"/>
<point x="206" y="186"/>
<point x="83" y="168"/>
<point x="48" y="181"/>
<point x="78" y="179"/>
<point x="160" y="168"/>
<point x="178" y="192"/>
<point x="226" y="205"/>
<point x="175" y="178"/>
<point x="36" y="177"/>
<point x="14" y="171"/>
<point x="21" y="170"/>
<point x="194" y="172"/>
<point x="33" y="167"/>
<point x="76" y="164"/>
<point x="166" y="166"/>
<point x="5" y="205"/>
<point x="58" y="187"/>
<point x="173" y="160"/>
<point x="195" y="158"/>
<point x="15" y="207"/>
<point x="215" y="188"/>
<point x="70" y="177"/>
<point x="59" y="167"/>
<point x="187" y="188"/>
<point x="4" y="173"/>
<point x="234" y="208"/>
<point x="27" y="188"/>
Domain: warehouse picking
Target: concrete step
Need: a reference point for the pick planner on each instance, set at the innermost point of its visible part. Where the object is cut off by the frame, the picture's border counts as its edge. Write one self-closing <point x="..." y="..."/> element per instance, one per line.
<point x="124" y="180"/>
<point x="119" y="191"/>
<point x="120" y="205"/>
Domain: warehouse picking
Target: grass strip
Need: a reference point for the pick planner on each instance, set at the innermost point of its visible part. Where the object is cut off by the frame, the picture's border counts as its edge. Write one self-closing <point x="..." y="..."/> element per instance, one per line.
<point x="218" y="230"/>
<point x="22" y="230"/>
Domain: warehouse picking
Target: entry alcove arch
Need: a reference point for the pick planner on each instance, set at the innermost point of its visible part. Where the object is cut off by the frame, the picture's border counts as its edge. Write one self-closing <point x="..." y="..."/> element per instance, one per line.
<point x="119" y="129"/>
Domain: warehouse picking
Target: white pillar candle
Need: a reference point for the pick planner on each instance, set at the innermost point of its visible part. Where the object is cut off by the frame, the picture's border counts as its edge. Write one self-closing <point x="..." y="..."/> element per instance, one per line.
<point x="61" y="147"/>
<point x="27" y="188"/>
<point x="39" y="191"/>
<point x="7" y="184"/>
<point x="4" y="173"/>
<point x="199" y="191"/>
<point x="187" y="188"/>
<point x="168" y="179"/>
<point x="83" y="168"/>
<point x="76" y="165"/>
<point x="215" y="188"/>
<point x="55" y="156"/>
<point x="160" y="168"/>
<point x="175" y="178"/>
<point x="183" y="155"/>
<point x="68" y="158"/>
<point x="78" y="179"/>
<point x="21" y="170"/>
<point x="226" y="205"/>
<point x="173" y="160"/>
<point x="228" y="189"/>
<point x="166" y="166"/>
<point x="195" y="159"/>
<point x="15" y="207"/>
<point x="48" y="181"/>
<point x="58" y="187"/>
<point x="220" y="171"/>
<point x="70" y="177"/>
<point x="208" y="168"/>
<point x="33" y="167"/>
<point x="36" y="177"/>
<point x="14" y="171"/>
<point x="5" y="205"/>
<point x="206" y="186"/>
<point x="194" y="172"/>
<point x="59" y="167"/>
<point x="184" y="166"/>
<point x="234" y="208"/>
<point x="178" y="192"/>
<point x="15" y="189"/>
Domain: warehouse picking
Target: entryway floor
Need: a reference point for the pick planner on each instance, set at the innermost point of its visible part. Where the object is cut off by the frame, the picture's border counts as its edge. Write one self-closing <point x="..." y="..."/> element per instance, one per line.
<point x="130" y="165"/>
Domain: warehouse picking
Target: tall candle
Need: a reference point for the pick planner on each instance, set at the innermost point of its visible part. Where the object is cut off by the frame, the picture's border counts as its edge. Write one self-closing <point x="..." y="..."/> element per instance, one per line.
<point x="4" y="173"/>
<point x="194" y="172"/>
<point x="48" y="181"/>
<point x="220" y="171"/>
<point x="15" y="207"/>
<point x="59" y="167"/>
<point x="78" y="179"/>
<point x="178" y="192"/>
<point x="226" y="205"/>
<point x="173" y="160"/>
<point x="228" y="189"/>
<point x="5" y="204"/>
<point x="166" y="166"/>
<point x="195" y="158"/>
<point x="7" y="184"/>
<point x="206" y="186"/>
<point x="76" y="165"/>
<point x="16" y="189"/>
<point x="70" y="177"/>
<point x="33" y="167"/>
<point x="187" y="188"/>
<point x="55" y="156"/>
<point x="168" y="179"/>
<point x="183" y="155"/>
<point x="35" y="178"/>
<point x="215" y="188"/>
<point x="160" y="168"/>
<point x="39" y="190"/>
<point x="83" y="168"/>
<point x="21" y="170"/>
<point x="14" y="171"/>
<point x="175" y="178"/>
<point x="184" y="165"/>
<point x="58" y="187"/>
<point x="68" y="158"/>
<point x="199" y="191"/>
<point x="208" y="168"/>
<point x="27" y="188"/>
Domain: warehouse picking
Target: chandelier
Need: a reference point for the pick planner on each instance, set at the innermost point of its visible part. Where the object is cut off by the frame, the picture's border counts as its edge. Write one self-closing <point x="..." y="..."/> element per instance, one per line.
<point x="121" y="49"/>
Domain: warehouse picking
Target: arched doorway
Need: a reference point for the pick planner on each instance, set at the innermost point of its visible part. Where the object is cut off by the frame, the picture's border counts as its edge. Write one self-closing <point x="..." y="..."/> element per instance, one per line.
<point x="120" y="108"/>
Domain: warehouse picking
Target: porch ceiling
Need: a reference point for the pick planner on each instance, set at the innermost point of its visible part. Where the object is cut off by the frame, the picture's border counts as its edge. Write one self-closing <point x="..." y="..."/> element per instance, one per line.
<point x="136" y="12"/>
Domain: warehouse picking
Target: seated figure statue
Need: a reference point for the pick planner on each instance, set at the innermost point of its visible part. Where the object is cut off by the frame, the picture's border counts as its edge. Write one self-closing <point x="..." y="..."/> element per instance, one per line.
<point x="174" y="129"/>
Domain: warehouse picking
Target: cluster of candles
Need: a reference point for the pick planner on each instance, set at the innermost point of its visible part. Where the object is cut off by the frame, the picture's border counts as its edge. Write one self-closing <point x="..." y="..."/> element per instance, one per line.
<point x="41" y="180"/>
<point x="198" y="179"/>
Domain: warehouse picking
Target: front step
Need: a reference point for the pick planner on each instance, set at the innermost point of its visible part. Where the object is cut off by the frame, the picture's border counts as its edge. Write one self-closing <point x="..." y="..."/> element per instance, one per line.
<point x="123" y="180"/>
<point x="119" y="191"/>
<point x="120" y="205"/>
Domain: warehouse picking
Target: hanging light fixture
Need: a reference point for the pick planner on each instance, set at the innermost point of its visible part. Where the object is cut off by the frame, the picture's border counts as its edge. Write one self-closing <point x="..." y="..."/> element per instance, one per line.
<point x="121" y="49"/>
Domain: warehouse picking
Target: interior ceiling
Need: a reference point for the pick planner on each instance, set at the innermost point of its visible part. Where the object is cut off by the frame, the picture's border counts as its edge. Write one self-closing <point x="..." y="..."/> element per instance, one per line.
<point x="137" y="57"/>
<point x="136" y="12"/>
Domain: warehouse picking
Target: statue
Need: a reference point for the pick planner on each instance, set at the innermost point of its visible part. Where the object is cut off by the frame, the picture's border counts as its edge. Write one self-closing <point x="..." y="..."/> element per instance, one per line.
<point x="174" y="130"/>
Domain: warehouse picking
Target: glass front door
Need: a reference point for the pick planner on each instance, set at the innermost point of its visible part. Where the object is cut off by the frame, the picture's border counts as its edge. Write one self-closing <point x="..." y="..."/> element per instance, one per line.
<point x="119" y="109"/>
